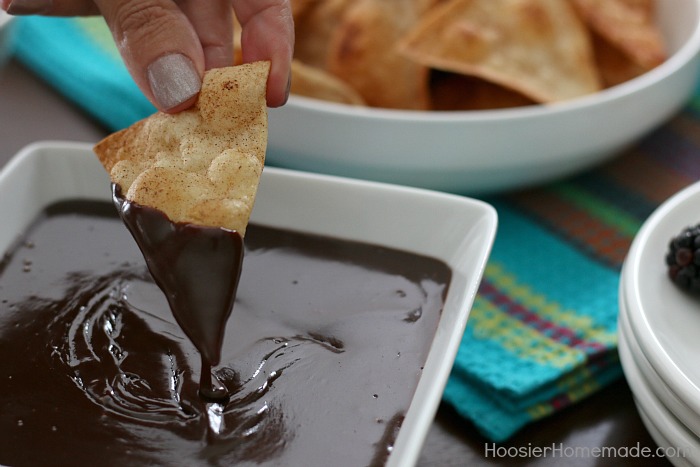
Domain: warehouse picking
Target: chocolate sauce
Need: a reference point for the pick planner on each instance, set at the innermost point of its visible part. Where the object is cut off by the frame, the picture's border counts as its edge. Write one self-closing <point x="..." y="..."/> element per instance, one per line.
<point x="197" y="268"/>
<point x="320" y="358"/>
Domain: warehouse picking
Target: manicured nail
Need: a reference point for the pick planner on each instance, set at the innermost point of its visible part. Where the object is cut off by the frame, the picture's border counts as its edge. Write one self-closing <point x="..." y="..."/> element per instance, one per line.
<point x="27" y="7"/>
<point x="173" y="80"/>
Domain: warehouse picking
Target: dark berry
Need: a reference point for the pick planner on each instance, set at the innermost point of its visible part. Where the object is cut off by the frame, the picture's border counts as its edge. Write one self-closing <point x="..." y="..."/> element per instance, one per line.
<point x="684" y="256"/>
<point x="684" y="239"/>
<point x="673" y="271"/>
<point x="670" y="259"/>
<point x="683" y="259"/>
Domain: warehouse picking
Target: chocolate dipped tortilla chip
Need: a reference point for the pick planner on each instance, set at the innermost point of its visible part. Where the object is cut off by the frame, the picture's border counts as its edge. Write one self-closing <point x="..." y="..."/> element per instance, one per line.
<point x="201" y="166"/>
<point x="184" y="185"/>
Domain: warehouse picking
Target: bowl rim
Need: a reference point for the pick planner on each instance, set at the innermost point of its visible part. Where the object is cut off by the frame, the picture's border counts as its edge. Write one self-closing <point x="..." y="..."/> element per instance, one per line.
<point x="681" y="57"/>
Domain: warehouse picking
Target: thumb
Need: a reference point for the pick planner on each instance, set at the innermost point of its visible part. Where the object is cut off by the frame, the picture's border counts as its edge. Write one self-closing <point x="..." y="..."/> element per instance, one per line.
<point x="160" y="49"/>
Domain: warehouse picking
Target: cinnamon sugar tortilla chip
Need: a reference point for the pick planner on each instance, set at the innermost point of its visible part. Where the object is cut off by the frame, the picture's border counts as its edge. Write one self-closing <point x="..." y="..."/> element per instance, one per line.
<point x="452" y="91"/>
<point x="539" y="48"/>
<point x="362" y="52"/>
<point x="202" y="165"/>
<point x="613" y="65"/>
<point x="314" y="29"/>
<point x="316" y="83"/>
<point x="300" y="7"/>
<point x="629" y="25"/>
<point x="237" y="41"/>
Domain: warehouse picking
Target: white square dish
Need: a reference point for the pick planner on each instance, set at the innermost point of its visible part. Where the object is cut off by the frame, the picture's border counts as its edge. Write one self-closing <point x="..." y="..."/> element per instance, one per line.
<point x="457" y="230"/>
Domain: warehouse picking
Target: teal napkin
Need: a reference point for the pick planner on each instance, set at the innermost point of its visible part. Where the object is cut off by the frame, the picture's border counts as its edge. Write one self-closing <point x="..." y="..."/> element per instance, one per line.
<point x="542" y="333"/>
<point x="78" y="57"/>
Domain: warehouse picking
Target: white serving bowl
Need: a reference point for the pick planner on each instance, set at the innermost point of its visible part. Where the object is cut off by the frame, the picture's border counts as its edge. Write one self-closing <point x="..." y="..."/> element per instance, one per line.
<point x="6" y="37"/>
<point x="488" y="151"/>
<point x="454" y="229"/>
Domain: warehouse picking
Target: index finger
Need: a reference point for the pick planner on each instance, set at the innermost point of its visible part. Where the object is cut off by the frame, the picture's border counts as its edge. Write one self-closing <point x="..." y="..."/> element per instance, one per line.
<point x="160" y="48"/>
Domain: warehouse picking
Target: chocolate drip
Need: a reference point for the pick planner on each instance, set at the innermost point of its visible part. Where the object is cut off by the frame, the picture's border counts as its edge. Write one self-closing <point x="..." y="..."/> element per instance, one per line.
<point x="197" y="268"/>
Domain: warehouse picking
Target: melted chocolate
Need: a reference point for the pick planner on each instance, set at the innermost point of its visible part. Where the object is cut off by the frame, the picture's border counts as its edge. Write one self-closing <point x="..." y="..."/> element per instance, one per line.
<point x="197" y="268"/>
<point x="321" y="356"/>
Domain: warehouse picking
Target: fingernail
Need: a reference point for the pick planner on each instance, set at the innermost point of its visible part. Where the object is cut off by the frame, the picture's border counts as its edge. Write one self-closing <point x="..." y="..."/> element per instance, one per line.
<point x="173" y="80"/>
<point x="27" y="7"/>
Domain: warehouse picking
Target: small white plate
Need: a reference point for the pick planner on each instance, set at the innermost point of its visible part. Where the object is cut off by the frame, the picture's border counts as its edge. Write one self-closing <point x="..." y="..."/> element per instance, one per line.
<point x="664" y="319"/>
<point x="669" y="433"/>
<point x="455" y="229"/>
<point x="660" y="389"/>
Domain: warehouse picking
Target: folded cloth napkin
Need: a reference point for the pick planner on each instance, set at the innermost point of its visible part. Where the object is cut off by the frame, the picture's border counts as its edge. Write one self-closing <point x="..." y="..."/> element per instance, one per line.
<point x="542" y="333"/>
<point x="79" y="58"/>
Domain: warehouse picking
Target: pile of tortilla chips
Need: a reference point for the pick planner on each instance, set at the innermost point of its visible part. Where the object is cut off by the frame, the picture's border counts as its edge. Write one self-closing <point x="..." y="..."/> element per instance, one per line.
<point x="469" y="54"/>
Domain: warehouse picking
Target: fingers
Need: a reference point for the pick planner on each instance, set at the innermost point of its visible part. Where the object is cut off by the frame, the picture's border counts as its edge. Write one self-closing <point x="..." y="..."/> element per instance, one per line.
<point x="268" y="34"/>
<point x="212" y="20"/>
<point x="160" y="48"/>
<point x="166" y="46"/>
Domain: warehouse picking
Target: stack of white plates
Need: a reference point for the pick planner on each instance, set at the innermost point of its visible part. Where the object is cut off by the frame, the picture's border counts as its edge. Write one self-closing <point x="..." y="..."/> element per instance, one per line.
<point x="659" y="334"/>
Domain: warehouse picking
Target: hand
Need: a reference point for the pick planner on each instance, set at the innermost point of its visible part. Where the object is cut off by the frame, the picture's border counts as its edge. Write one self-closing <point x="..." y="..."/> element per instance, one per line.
<point x="167" y="44"/>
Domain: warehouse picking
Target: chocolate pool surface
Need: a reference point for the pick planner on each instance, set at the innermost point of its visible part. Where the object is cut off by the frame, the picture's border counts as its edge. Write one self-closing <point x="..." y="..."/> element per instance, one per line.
<point x="321" y="355"/>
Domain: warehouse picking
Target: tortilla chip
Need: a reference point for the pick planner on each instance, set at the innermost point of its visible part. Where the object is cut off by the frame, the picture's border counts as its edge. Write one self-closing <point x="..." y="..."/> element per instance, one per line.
<point x="237" y="41"/>
<point x="300" y="7"/>
<point x="200" y="166"/>
<point x="643" y="7"/>
<point x="363" y="54"/>
<point x="313" y="82"/>
<point x="451" y="91"/>
<point x="313" y="30"/>
<point x="613" y="65"/>
<point x="539" y="48"/>
<point x="627" y="24"/>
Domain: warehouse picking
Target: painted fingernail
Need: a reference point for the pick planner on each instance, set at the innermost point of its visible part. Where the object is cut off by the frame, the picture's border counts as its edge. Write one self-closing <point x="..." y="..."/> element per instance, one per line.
<point x="27" y="7"/>
<point x="173" y="80"/>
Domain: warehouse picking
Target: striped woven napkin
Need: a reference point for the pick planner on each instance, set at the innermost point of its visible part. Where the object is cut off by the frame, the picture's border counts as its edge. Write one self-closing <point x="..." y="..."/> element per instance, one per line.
<point x="542" y="334"/>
